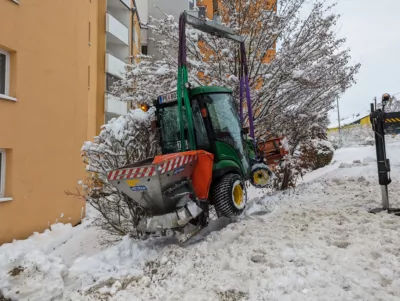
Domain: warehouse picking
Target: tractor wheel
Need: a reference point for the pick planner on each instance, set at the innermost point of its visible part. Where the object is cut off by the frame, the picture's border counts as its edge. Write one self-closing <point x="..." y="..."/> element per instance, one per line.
<point x="229" y="196"/>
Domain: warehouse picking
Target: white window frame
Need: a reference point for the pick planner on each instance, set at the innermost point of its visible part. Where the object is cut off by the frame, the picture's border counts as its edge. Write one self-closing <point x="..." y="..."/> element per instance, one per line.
<point x="2" y="172"/>
<point x="7" y="83"/>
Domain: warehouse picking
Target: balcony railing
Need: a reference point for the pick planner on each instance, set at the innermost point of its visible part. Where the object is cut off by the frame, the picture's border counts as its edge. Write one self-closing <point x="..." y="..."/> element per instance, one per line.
<point x="115" y="66"/>
<point x="115" y="106"/>
<point x="117" y="29"/>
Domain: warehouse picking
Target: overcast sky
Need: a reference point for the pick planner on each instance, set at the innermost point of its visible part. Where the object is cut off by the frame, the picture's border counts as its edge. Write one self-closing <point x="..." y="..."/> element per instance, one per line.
<point x="372" y="29"/>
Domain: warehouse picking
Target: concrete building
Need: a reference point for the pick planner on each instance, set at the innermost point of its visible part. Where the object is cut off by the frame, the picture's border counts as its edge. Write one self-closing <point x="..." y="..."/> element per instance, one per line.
<point x="57" y="60"/>
<point x="155" y="8"/>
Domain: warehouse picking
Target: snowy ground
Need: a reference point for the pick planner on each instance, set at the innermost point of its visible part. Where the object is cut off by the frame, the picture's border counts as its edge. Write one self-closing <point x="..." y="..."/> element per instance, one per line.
<point x="315" y="243"/>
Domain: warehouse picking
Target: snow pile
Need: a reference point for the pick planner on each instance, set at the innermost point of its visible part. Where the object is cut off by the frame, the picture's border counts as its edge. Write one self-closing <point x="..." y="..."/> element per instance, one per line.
<point x="124" y="260"/>
<point x="27" y="269"/>
<point x="35" y="268"/>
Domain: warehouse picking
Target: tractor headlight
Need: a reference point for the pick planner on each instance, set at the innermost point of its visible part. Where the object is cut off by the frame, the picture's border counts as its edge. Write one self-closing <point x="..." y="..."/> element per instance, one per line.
<point x="144" y="107"/>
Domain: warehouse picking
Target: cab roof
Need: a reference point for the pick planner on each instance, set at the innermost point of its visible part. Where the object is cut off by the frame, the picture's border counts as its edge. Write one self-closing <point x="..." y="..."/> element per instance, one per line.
<point x="209" y="89"/>
<point x="171" y="97"/>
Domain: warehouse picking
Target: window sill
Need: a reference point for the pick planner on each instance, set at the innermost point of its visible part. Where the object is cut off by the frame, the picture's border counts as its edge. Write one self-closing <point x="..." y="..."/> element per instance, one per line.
<point x="5" y="199"/>
<point x="5" y="97"/>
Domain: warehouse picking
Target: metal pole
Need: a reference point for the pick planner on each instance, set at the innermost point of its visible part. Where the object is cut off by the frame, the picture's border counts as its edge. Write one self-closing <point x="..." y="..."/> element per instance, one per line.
<point x="385" y="197"/>
<point x="338" y="113"/>
<point x="338" y="118"/>
<point x="377" y="118"/>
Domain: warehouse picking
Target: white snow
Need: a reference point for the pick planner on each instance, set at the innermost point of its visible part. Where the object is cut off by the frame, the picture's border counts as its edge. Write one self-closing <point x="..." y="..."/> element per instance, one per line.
<point x="317" y="242"/>
<point x="163" y="70"/>
<point x="285" y="144"/>
<point x="298" y="73"/>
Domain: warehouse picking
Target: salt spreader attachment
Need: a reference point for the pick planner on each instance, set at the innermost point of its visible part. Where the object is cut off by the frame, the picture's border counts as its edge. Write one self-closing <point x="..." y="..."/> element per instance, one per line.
<point x="169" y="187"/>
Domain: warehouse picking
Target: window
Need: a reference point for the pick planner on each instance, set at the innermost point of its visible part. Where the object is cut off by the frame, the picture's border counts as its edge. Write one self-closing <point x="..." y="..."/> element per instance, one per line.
<point x="2" y="172"/>
<point x="199" y="127"/>
<point x="144" y="49"/>
<point x="170" y="129"/>
<point x="89" y="32"/>
<point x="4" y="72"/>
<point x="192" y="4"/>
<point x="226" y="124"/>
<point x="110" y="80"/>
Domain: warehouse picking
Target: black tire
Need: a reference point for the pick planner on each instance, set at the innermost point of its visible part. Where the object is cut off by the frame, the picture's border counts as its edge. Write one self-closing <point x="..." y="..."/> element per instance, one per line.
<point x="222" y="196"/>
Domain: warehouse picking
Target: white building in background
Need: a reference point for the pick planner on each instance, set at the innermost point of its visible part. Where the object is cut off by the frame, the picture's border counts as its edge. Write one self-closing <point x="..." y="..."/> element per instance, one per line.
<point x="122" y="44"/>
<point x="155" y="8"/>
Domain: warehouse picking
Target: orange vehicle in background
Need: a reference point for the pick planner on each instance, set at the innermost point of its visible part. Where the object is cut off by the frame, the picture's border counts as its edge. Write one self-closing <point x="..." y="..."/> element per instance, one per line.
<point x="273" y="151"/>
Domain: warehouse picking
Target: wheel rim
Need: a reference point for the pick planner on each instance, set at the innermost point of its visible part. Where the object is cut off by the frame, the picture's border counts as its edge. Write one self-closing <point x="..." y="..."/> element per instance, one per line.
<point x="261" y="177"/>
<point x="238" y="197"/>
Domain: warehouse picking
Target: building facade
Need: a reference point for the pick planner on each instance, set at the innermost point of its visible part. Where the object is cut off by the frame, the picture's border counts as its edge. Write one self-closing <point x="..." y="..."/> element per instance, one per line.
<point x="116" y="42"/>
<point x="157" y="8"/>
<point x="57" y="60"/>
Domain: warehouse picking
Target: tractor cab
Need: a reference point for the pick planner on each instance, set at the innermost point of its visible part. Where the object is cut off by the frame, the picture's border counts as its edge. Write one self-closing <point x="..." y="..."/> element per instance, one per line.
<point x="216" y="125"/>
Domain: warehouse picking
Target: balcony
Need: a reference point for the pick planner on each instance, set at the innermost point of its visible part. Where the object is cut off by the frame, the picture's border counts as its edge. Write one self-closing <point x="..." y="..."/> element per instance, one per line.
<point x="115" y="66"/>
<point x="126" y="2"/>
<point x="120" y="9"/>
<point x="115" y="106"/>
<point x="117" y="33"/>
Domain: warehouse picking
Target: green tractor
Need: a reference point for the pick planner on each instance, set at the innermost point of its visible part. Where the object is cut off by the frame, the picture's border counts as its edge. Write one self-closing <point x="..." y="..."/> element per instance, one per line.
<point x="207" y="155"/>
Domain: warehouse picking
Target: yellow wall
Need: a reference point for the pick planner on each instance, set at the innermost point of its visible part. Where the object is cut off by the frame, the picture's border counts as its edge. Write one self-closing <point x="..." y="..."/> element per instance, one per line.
<point x="43" y="131"/>
<point x="363" y="121"/>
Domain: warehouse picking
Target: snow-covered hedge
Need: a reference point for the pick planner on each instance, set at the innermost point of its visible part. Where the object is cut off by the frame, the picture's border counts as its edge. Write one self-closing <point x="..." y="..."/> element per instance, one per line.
<point x="124" y="140"/>
<point x="316" y="154"/>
